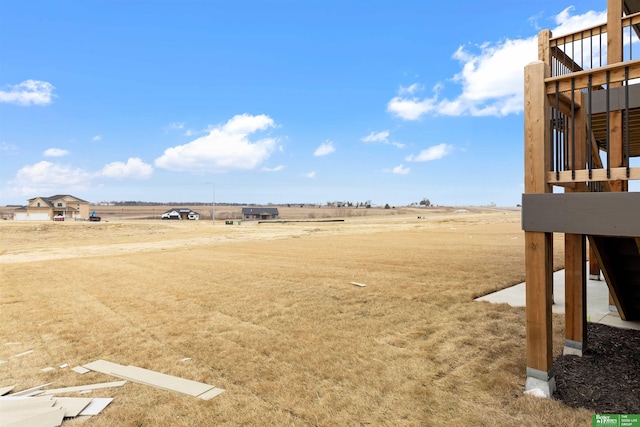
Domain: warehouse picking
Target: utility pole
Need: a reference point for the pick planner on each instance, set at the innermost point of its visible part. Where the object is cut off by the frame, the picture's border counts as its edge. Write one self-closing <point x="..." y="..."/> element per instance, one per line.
<point x="213" y="203"/>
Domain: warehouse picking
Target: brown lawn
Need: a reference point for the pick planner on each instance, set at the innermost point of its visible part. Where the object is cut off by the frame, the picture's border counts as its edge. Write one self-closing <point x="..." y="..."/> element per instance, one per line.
<point x="266" y="312"/>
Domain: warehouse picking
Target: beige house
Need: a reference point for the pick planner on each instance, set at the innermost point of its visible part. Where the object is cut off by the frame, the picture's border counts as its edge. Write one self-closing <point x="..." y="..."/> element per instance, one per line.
<point x="58" y="207"/>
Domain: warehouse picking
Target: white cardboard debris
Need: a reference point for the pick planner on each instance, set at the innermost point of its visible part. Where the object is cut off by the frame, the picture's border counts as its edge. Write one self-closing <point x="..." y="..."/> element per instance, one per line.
<point x="96" y="406"/>
<point x="81" y="388"/>
<point x="362" y="285"/>
<point x="153" y="378"/>
<point x="22" y="410"/>
<point x="30" y="391"/>
<point x="81" y="370"/>
<point x="47" y="417"/>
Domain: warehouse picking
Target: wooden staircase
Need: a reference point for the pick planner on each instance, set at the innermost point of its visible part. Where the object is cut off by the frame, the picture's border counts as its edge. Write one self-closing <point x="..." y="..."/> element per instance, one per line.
<point x="619" y="259"/>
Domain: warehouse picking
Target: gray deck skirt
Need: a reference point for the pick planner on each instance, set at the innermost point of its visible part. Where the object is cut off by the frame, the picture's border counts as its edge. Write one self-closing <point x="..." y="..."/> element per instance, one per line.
<point x="600" y="214"/>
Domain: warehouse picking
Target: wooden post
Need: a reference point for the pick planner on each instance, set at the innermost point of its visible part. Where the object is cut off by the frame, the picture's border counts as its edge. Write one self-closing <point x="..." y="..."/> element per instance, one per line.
<point x="543" y="46"/>
<point x="615" y="55"/>
<point x="575" y="253"/>
<point x="538" y="246"/>
<point x="575" y="339"/>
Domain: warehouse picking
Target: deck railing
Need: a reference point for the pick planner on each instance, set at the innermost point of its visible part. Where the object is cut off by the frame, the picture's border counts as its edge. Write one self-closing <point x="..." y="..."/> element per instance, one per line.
<point x="587" y="49"/>
<point x="591" y="101"/>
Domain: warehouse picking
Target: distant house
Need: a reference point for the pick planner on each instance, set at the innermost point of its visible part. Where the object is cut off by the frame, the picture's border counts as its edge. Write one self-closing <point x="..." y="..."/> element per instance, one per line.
<point x="250" y="214"/>
<point x="180" y="214"/>
<point x="58" y="207"/>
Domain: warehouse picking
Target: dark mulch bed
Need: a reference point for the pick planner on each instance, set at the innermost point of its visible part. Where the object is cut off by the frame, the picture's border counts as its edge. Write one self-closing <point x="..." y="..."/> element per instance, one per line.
<point x="606" y="379"/>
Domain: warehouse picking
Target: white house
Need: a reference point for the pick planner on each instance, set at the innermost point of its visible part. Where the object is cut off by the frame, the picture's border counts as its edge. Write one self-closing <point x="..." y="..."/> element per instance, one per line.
<point x="181" y="214"/>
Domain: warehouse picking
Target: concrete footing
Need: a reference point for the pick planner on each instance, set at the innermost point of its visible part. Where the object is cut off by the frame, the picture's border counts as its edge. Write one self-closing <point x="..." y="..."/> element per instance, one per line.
<point x="573" y="348"/>
<point x="540" y="383"/>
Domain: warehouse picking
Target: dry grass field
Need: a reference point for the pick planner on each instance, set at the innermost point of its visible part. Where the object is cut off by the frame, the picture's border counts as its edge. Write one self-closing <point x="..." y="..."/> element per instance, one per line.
<point x="266" y="311"/>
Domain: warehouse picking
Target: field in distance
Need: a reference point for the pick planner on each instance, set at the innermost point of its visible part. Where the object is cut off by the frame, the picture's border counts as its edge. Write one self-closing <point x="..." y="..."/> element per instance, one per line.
<point x="268" y="313"/>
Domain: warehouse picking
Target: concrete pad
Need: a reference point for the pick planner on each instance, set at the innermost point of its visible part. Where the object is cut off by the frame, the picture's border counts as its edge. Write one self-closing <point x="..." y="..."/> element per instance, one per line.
<point x="597" y="301"/>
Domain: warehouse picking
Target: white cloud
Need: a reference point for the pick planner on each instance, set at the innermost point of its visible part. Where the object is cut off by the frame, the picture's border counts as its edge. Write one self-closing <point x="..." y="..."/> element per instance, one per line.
<point x="411" y="108"/>
<point x="567" y="24"/>
<point x="400" y="170"/>
<point x="376" y="137"/>
<point x="55" y="152"/>
<point x="134" y="168"/>
<point x="97" y="138"/>
<point x="381" y="137"/>
<point x="324" y="149"/>
<point x="8" y="148"/>
<point x="432" y="153"/>
<point x="226" y="147"/>
<point x="310" y="174"/>
<point x="49" y="177"/>
<point x="416" y="87"/>
<point x="29" y="92"/>
<point x="491" y="76"/>
<point x="274" y="169"/>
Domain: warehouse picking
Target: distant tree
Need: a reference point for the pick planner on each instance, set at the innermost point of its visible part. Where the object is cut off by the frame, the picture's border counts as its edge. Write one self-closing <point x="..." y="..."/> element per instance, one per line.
<point x="387" y="206"/>
<point x="425" y="202"/>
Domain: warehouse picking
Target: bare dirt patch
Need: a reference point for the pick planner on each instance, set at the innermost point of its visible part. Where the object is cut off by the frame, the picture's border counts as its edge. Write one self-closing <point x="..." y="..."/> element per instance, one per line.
<point x="267" y="313"/>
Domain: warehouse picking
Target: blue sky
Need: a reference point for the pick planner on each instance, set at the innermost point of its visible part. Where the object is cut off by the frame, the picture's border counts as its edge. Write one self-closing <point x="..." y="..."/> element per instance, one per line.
<point x="269" y="101"/>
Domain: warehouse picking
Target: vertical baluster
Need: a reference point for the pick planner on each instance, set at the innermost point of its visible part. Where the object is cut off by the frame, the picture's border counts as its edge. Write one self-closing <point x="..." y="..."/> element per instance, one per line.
<point x="591" y="49"/>
<point x="631" y="40"/>
<point x="565" y="142"/>
<point x="589" y="140"/>
<point x="626" y="119"/>
<point x="600" y="50"/>
<point x="573" y="128"/>
<point x="556" y="121"/>
<point x="573" y="53"/>
<point x="608" y="127"/>
<point x="582" y="52"/>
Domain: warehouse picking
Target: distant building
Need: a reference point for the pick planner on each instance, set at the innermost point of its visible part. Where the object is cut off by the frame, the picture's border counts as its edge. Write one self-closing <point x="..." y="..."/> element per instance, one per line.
<point x="59" y="207"/>
<point x="252" y="214"/>
<point x="180" y="214"/>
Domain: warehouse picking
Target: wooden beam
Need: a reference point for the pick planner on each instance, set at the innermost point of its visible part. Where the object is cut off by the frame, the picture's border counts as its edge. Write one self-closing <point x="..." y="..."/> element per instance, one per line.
<point x="564" y="103"/>
<point x="617" y="174"/>
<point x="587" y="33"/>
<point x="628" y="19"/>
<point x="598" y="76"/>
<point x="594" y="267"/>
